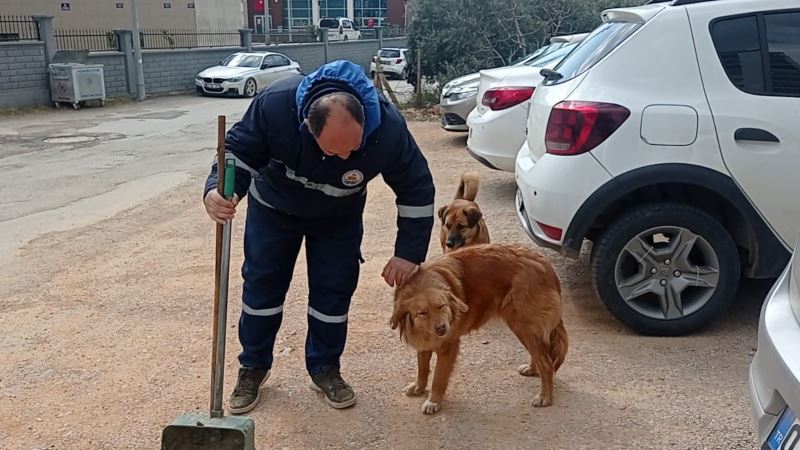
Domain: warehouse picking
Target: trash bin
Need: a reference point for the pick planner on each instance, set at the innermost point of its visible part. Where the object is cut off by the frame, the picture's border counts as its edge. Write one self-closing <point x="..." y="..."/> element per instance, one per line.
<point x="75" y="83"/>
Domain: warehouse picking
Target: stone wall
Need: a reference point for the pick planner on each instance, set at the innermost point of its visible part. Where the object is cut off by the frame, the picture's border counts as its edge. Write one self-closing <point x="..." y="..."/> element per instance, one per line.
<point x="23" y="74"/>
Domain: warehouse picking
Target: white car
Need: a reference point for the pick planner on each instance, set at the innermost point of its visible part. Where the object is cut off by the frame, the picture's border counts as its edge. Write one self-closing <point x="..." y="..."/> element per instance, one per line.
<point x="774" y="379"/>
<point x="497" y="124"/>
<point x="459" y="95"/>
<point x="669" y="138"/>
<point x="245" y="74"/>
<point x="394" y="62"/>
<point x="340" y="29"/>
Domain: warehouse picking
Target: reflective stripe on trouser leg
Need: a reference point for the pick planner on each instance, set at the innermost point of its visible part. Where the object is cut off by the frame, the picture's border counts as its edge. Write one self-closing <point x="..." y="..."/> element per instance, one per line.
<point x="333" y="253"/>
<point x="270" y="250"/>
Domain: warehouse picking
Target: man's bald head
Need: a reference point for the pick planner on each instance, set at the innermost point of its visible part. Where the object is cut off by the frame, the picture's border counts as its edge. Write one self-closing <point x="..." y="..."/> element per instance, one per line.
<point x="337" y="122"/>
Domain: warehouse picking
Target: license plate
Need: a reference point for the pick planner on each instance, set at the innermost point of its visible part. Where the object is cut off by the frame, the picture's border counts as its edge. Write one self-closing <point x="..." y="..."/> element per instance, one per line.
<point x="213" y="85"/>
<point x="786" y="434"/>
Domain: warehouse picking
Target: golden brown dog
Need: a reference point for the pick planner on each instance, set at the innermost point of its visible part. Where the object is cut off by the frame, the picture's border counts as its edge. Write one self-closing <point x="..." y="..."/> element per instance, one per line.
<point x="462" y="220"/>
<point x="459" y="292"/>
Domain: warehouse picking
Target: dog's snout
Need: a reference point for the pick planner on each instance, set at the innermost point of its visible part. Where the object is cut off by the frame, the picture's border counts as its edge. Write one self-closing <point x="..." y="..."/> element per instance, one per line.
<point x="441" y="329"/>
<point x="450" y="243"/>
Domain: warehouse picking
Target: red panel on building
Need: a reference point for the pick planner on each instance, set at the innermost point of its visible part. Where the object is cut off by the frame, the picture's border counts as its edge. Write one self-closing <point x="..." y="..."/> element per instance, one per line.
<point x="395" y="12"/>
<point x="257" y="6"/>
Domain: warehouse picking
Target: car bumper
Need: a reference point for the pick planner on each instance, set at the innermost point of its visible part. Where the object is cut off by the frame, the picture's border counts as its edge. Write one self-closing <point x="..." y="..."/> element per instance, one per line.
<point x="454" y="113"/>
<point x="773" y="376"/>
<point x="225" y="88"/>
<point x="551" y="190"/>
<point x="393" y="69"/>
<point x="496" y="136"/>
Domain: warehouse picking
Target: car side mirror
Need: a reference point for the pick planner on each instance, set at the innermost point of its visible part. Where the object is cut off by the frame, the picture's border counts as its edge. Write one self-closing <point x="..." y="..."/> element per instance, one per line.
<point x="265" y="66"/>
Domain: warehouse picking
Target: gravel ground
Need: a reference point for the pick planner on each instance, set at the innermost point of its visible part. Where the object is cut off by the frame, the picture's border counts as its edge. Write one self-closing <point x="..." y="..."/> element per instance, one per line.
<point x="106" y="338"/>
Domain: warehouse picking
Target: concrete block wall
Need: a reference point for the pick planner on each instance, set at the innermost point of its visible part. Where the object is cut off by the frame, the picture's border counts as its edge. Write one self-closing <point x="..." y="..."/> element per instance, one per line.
<point x="309" y="56"/>
<point x="175" y="70"/>
<point x="23" y="74"/>
<point x="114" y="72"/>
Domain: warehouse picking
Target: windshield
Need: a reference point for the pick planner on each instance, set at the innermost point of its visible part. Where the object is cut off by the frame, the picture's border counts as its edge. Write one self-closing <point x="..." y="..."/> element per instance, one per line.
<point x="603" y="40"/>
<point x="329" y="23"/>
<point x="552" y="56"/>
<point x="390" y="53"/>
<point x="242" y="60"/>
<point x="539" y="52"/>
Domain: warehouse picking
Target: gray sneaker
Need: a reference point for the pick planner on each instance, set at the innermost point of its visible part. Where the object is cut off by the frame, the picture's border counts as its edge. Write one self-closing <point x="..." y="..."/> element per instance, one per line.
<point x="247" y="392"/>
<point x="338" y="394"/>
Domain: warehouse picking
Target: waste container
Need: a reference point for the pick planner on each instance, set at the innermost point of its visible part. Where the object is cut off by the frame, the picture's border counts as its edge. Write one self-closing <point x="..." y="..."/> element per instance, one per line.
<point x="75" y="83"/>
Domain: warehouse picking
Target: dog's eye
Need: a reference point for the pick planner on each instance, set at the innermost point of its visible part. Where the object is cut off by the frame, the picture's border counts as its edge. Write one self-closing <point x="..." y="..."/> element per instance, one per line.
<point x="422" y="313"/>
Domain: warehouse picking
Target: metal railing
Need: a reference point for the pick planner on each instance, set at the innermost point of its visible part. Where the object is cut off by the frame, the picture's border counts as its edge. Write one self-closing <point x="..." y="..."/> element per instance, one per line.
<point x="18" y="28"/>
<point x="171" y="39"/>
<point x="92" y="40"/>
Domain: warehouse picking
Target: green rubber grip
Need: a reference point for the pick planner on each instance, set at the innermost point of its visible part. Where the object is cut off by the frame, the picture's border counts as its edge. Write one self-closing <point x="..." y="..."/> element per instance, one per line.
<point x="230" y="176"/>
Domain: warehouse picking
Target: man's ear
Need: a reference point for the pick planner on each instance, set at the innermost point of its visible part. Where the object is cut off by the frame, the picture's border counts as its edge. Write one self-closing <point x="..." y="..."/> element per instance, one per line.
<point x="473" y="215"/>
<point x="442" y="212"/>
<point x="456" y="303"/>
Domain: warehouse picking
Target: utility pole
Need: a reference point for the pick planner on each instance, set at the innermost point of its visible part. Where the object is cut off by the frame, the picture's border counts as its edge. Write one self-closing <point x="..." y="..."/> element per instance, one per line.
<point x="289" y="9"/>
<point x="137" y="50"/>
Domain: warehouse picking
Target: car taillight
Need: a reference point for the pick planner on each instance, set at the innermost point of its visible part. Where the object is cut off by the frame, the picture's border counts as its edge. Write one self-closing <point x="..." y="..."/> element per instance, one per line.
<point x="577" y="127"/>
<point x="553" y="233"/>
<point x="399" y="61"/>
<point x="505" y="97"/>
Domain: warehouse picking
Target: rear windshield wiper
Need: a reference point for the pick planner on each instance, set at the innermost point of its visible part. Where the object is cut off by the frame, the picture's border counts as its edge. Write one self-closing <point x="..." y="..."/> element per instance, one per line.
<point x="550" y="74"/>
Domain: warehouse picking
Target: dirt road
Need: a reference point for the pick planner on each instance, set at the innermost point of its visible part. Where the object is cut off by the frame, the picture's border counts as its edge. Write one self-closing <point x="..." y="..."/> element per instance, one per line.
<point x="105" y="331"/>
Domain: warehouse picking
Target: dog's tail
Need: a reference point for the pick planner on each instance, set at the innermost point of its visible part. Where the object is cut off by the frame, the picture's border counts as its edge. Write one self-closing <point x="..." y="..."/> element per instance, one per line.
<point x="468" y="188"/>
<point x="559" y="344"/>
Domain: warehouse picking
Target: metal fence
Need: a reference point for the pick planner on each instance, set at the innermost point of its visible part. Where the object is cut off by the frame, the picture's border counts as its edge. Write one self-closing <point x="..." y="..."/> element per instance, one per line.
<point x="170" y="39"/>
<point x="18" y="28"/>
<point x="92" y="40"/>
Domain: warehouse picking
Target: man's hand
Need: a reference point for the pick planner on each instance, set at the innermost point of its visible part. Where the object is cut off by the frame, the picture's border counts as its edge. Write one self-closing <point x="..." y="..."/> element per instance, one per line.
<point x="397" y="271"/>
<point x="219" y="208"/>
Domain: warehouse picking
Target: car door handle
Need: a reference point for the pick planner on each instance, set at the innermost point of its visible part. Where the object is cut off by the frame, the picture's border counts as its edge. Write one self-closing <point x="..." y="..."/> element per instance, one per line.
<point x="755" y="134"/>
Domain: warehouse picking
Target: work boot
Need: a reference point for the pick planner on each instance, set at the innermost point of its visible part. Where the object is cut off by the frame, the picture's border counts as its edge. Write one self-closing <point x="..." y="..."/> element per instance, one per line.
<point x="338" y="394"/>
<point x="247" y="392"/>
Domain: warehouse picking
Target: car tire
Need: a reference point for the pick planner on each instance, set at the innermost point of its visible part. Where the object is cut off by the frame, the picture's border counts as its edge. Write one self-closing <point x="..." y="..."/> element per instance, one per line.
<point x="404" y="74"/>
<point x="666" y="269"/>
<point x="250" y="88"/>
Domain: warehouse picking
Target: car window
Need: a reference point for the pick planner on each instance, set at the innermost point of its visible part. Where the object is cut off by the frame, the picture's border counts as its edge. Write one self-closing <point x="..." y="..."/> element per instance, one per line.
<point x="552" y="56"/>
<point x="783" y="45"/>
<point x="279" y="61"/>
<point x="389" y="53"/>
<point x="602" y="41"/>
<point x="539" y="52"/>
<point x="760" y="62"/>
<point x="347" y="24"/>
<point x="242" y="60"/>
<point x="329" y="23"/>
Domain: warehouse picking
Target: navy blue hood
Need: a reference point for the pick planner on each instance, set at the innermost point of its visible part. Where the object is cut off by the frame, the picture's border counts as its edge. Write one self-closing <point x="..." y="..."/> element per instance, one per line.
<point x="338" y="76"/>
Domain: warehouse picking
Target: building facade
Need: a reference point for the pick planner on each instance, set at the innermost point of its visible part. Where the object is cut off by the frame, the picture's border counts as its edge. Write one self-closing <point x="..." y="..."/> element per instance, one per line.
<point x="277" y="13"/>
<point x="153" y="14"/>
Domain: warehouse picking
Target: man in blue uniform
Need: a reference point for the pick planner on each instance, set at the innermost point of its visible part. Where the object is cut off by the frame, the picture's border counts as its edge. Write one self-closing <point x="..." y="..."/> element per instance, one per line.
<point x="305" y="150"/>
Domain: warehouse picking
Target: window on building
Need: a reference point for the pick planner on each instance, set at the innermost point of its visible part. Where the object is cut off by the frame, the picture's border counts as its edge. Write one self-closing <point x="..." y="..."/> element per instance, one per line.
<point x="300" y="13"/>
<point x="370" y="9"/>
<point x="333" y="8"/>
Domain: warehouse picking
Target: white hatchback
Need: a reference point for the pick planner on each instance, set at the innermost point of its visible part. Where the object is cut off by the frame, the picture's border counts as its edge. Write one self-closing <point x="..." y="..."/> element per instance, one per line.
<point x="669" y="138"/>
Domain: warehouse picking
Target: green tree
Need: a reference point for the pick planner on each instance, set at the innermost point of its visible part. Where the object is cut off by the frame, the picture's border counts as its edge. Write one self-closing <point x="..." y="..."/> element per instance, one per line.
<point x="456" y="37"/>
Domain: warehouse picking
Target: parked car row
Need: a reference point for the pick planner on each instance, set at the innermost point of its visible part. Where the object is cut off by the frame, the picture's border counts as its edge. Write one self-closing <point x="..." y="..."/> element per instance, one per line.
<point x="244" y="74"/>
<point x="668" y="139"/>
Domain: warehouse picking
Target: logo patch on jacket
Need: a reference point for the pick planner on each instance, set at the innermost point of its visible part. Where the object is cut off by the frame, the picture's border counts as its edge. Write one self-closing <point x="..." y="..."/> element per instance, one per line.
<point x="352" y="178"/>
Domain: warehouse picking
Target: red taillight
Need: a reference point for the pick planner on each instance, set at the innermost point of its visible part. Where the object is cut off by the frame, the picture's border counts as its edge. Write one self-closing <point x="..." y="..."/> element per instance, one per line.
<point x="505" y="97"/>
<point x="577" y="127"/>
<point x="399" y="61"/>
<point x="551" y="232"/>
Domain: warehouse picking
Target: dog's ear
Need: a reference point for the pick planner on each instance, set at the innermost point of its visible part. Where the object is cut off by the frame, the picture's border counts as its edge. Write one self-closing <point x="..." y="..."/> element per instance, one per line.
<point x="473" y="215"/>
<point x="400" y="313"/>
<point x="442" y="213"/>
<point x="456" y="303"/>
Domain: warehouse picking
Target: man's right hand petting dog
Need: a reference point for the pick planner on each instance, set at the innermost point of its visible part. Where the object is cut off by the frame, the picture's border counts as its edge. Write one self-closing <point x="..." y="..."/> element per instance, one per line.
<point x="459" y="292"/>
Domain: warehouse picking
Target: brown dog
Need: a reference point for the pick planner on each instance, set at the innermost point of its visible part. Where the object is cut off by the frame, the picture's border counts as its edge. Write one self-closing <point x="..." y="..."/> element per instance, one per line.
<point x="459" y="292"/>
<point x="462" y="220"/>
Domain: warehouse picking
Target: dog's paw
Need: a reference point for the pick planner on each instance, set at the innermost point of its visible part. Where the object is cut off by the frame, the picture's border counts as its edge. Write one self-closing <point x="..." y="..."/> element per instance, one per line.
<point x="540" y="402"/>
<point x="527" y="370"/>
<point x="430" y="408"/>
<point x="413" y="390"/>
